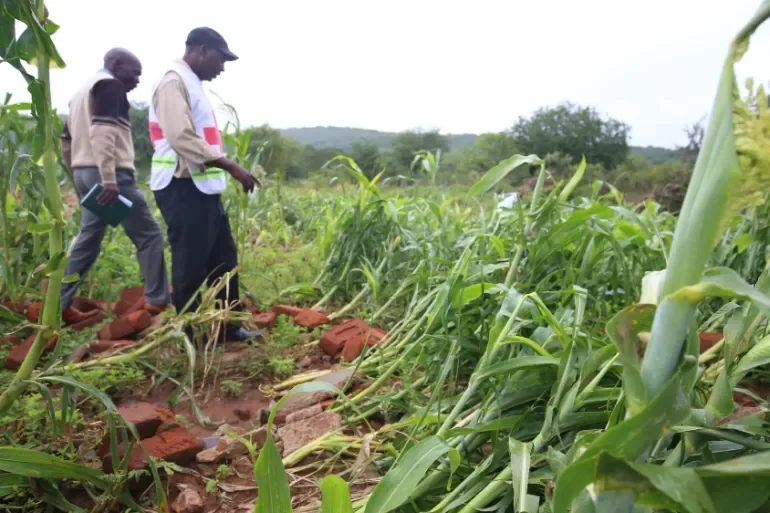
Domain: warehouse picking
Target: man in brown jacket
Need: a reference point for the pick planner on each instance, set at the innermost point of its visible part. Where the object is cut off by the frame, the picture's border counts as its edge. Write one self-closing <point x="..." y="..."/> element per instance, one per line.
<point x="98" y="148"/>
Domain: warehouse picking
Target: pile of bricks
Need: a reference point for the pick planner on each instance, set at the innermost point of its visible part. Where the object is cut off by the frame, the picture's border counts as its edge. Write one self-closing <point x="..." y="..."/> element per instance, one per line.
<point x="94" y="311"/>
<point x="21" y="348"/>
<point x="304" y="317"/>
<point x="160" y="437"/>
<point x="132" y="318"/>
<point x="347" y="340"/>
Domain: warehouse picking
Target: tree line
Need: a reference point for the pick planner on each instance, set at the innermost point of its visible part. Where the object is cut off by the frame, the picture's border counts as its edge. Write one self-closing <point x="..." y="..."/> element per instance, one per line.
<point x="562" y="135"/>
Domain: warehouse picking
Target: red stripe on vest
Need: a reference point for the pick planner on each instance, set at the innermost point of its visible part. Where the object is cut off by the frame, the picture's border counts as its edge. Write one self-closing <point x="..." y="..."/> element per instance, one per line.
<point x="219" y="136"/>
<point x="211" y="134"/>
<point x="156" y="134"/>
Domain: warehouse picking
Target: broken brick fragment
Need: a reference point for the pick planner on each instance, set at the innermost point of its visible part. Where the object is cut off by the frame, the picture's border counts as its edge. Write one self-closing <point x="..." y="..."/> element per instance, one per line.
<point x="140" y="320"/>
<point x="146" y="417"/>
<point x="138" y="459"/>
<point x="126" y="326"/>
<point x="17" y="307"/>
<point x="92" y="320"/>
<point x="148" y="420"/>
<point x="12" y="340"/>
<point x="265" y="320"/>
<point x="124" y="308"/>
<point x="85" y="305"/>
<point x="177" y="446"/>
<point x="349" y="338"/>
<point x="376" y="337"/>
<point x="132" y="294"/>
<point x="708" y="340"/>
<point x="332" y="343"/>
<point x="121" y="308"/>
<point x="33" y="312"/>
<point x="116" y="330"/>
<point x="15" y="358"/>
<point x="310" y="319"/>
<point x="288" y="310"/>
<point x="354" y="346"/>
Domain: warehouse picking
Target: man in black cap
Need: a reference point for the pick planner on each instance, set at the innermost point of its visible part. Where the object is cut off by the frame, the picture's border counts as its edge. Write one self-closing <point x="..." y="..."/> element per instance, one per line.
<point x="189" y="175"/>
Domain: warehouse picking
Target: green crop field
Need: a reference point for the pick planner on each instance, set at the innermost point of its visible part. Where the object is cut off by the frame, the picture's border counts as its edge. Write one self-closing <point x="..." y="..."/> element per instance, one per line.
<point x="579" y="351"/>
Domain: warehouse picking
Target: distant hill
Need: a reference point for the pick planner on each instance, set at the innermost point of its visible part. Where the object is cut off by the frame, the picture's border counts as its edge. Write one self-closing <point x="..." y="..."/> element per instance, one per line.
<point x="343" y="137"/>
<point x="655" y="155"/>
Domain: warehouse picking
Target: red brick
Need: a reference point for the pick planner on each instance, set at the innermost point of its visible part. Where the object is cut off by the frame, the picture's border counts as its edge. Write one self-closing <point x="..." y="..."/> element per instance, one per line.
<point x="15" y="358"/>
<point x="265" y="320"/>
<point x="124" y="308"/>
<point x="148" y="419"/>
<point x="116" y="330"/>
<point x="145" y="417"/>
<point x="109" y="345"/>
<point x="376" y="337"/>
<point x="85" y="304"/>
<point x="138" y="460"/>
<point x="140" y="320"/>
<point x="12" y="340"/>
<point x="132" y="294"/>
<point x="708" y="340"/>
<point x="353" y="325"/>
<point x="291" y="311"/>
<point x="177" y="446"/>
<point x="310" y="319"/>
<point x="353" y="347"/>
<point x="332" y="343"/>
<point x="17" y="307"/>
<point x="121" y="308"/>
<point x="33" y="312"/>
<point x="93" y="320"/>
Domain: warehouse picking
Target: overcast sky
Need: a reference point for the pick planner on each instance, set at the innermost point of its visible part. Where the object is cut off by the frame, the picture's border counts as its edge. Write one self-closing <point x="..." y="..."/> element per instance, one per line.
<point x="459" y="66"/>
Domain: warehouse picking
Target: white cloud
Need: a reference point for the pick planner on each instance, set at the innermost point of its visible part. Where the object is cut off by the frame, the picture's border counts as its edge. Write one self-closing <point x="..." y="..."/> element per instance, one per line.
<point x="466" y="67"/>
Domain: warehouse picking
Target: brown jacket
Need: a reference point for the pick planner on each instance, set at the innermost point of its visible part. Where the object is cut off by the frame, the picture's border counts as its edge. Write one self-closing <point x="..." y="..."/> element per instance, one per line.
<point x="98" y="129"/>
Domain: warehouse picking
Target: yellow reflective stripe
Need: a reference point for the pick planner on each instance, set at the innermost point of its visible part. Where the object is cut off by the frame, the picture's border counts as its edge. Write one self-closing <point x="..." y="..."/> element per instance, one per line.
<point x="212" y="172"/>
<point x="164" y="162"/>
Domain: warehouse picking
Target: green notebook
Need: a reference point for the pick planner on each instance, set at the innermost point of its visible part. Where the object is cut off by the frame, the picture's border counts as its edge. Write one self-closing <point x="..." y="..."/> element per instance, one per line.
<point x="114" y="214"/>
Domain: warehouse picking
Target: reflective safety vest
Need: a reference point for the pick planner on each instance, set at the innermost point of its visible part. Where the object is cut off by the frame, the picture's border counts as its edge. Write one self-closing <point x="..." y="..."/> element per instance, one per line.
<point x="164" y="159"/>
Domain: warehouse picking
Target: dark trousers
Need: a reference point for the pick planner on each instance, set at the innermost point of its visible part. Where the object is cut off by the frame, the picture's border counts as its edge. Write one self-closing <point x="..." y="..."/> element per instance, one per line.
<point x="140" y="227"/>
<point x="202" y="246"/>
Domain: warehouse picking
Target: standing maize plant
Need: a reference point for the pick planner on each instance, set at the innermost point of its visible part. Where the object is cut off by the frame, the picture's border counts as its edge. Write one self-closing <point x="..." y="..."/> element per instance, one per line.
<point x="656" y="455"/>
<point x="34" y="47"/>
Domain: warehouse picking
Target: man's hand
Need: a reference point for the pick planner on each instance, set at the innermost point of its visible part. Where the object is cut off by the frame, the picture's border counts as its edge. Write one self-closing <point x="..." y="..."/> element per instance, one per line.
<point x="109" y="194"/>
<point x="246" y="179"/>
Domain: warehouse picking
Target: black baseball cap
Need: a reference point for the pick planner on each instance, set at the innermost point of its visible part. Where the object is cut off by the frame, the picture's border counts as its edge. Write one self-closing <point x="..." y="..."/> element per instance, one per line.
<point x="204" y="36"/>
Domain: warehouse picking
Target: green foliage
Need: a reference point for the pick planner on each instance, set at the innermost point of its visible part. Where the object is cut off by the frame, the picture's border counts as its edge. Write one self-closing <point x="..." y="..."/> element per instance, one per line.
<point x="231" y="388"/>
<point x="139" y="115"/>
<point x="574" y="131"/>
<point x="406" y="145"/>
<point x="368" y="157"/>
<point x="487" y="151"/>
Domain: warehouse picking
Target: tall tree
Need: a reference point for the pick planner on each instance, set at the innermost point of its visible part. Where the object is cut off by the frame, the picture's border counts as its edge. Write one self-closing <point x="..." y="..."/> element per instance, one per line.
<point x="406" y="145"/>
<point x="367" y="156"/>
<point x="488" y="150"/>
<point x="140" y="131"/>
<point x="695" y="133"/>
<point x="575" y="131"/>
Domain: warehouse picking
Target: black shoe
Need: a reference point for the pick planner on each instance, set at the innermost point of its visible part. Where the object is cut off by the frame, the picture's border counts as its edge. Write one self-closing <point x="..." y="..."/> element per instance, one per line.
<point x="242" y="335"/>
